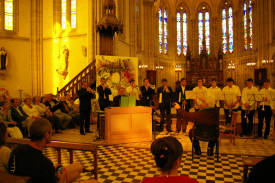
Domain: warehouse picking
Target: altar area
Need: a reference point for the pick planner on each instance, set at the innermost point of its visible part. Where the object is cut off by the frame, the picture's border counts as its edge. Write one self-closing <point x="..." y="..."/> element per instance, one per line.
<point x="128" y="124"/>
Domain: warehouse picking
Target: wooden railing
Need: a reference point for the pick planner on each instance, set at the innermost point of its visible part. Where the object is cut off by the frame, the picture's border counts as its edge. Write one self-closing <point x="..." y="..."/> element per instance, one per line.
<point x="68" y="146"/>
<point x="88" y="74"/>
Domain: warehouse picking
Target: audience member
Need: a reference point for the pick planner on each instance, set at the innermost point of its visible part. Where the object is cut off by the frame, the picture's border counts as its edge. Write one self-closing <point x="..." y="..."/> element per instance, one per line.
<point x="66" y="109"/>
<point x="167" y="152"/>
<point x="5" y="116"/>
<point x="4" y="150"/>
<point x="264" y="170"/>
<point x="45" y="112"/>
<point x="55" y="107"/>
<point x="18" y="115"/>
<point x="29" y="109"/>
<point x="28" y="160"/>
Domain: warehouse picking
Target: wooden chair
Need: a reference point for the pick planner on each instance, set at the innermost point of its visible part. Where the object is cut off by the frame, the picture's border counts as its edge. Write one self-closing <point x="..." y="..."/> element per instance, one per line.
<point x="229" y="131"/>
<point x="65" y="145"/>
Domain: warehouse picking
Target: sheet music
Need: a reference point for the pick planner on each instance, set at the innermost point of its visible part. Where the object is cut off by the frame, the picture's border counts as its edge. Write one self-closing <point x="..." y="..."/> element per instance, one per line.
<point x="190" y="95"/>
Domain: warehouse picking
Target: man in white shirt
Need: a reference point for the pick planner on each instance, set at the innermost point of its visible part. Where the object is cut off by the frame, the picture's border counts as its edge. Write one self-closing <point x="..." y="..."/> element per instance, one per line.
<point x="231" y="95"/>
<point x="200" y="93"/>
<point x="215" y="93"/>
<point x="264" y="111"/>
<point x="248" y="107"/>
<point x="133" y="90"/>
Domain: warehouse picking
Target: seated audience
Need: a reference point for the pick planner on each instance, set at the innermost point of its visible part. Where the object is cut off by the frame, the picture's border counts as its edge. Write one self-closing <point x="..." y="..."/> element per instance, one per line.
<point x="167" y="152"/>
<point x="22" y="119"/>
<point x="28" y="159"/>
<point x="117" y="99"/>
<point x="5" y="116"/>
<point x="45" y="112"/>
<point x="4" y="150"/>
<point x="29" y="109"/>
<point x="264" y="170"/>
<point x="55" y="107"/>
<point x="67" y="110"/>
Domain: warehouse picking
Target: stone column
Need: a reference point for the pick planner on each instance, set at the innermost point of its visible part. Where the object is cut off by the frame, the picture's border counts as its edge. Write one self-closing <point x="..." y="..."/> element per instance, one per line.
<point x="37" y="46"/>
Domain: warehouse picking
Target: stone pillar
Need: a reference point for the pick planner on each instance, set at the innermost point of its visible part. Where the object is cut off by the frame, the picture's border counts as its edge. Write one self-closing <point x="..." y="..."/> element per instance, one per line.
<point x="37" y="46"/>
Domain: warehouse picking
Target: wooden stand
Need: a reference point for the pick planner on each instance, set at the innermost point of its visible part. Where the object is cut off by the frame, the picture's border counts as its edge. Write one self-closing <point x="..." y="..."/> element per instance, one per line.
<point x="128" y="124"/>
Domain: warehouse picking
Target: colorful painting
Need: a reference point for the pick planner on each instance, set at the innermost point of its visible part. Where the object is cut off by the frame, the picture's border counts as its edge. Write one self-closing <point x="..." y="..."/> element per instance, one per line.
<point x="118" y="71"/>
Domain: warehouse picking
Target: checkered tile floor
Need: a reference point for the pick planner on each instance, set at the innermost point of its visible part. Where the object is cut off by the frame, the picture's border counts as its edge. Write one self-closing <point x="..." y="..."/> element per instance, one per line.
<point x="118" y="164"/>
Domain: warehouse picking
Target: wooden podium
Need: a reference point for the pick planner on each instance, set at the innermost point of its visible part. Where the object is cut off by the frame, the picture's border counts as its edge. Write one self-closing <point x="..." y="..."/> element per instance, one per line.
<point x="128" y="124"/>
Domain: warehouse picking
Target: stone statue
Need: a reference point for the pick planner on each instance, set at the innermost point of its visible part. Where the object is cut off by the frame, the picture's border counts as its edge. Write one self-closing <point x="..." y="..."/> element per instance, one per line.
<point x="64" y="72"/>
<point x="220" y="59"/>
<point x="4" y="58"/>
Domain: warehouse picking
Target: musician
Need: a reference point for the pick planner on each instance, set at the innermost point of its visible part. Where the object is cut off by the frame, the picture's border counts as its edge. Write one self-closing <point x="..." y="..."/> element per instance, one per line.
<point x="133" y="90"/>
<point x="200" y="92"/>
<point x="215" y="92"/>
<point x="103" y="93"/>
<point x="248" y="107"/>
<point x="264" y="110"/>
<point x="231" y="95"/>
<point x="184" y="104"/>
<point x="85" y="95"/>
<point x="165" y="97"/>
<point x="147" y="93"/>
<point x="117" y="99"/>
<point x="202" y="115"/>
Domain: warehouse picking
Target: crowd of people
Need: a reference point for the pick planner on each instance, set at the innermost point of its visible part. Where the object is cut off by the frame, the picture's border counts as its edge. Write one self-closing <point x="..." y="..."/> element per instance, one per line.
<point x="19" y="114"/>
<point x="231" y="98"/>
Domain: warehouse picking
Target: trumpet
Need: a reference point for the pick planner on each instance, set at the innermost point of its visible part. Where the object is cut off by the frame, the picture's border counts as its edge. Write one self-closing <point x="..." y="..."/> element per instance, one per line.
<point x="263" y="103"/>
<point x="230" y="113"/>
<point x="246" y="114"/>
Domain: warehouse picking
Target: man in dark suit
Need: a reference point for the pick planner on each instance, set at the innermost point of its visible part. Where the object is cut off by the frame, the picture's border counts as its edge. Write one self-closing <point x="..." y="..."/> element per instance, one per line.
<point x="185" y="104"/>
<point x="85" y="95"/>
<point x="103" y="94"/>
<point x="17" y="114"/>
<point x="147" y="93"/>
<point x="165" y="97"/>
<point x="117" y="99"/>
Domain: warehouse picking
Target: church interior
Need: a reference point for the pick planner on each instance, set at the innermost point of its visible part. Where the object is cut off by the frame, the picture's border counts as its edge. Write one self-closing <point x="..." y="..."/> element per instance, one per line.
<point x="115" y="77"/>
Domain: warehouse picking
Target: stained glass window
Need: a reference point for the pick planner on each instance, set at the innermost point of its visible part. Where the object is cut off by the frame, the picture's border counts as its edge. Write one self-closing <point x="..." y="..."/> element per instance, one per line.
<point x="73" y="14"/>
<point x="250" y="25"/>
<point x="179" y="33"/>
<point x="224" y="36"/>
<point x="204" y="31"/>
<point x="163" y="31"/>
<point x="184" y="33"/>
<point x="201" y="37"/>
<point x="230" y="29"/>
<point x="63" y="14"/>
<point x="245" y="25"/>
<point x="207" y="32"/>
<point x="160" y="31"/>
<point x="8" y="9"/>
<point x="227" y="29"/>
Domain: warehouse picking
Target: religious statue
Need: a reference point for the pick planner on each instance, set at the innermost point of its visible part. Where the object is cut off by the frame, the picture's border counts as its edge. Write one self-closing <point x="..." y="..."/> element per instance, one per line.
<point x="4" y="59"/>
<point x="220" y="59"/>
<point x="64" y="72"/>
<point x="204" y="55"/>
